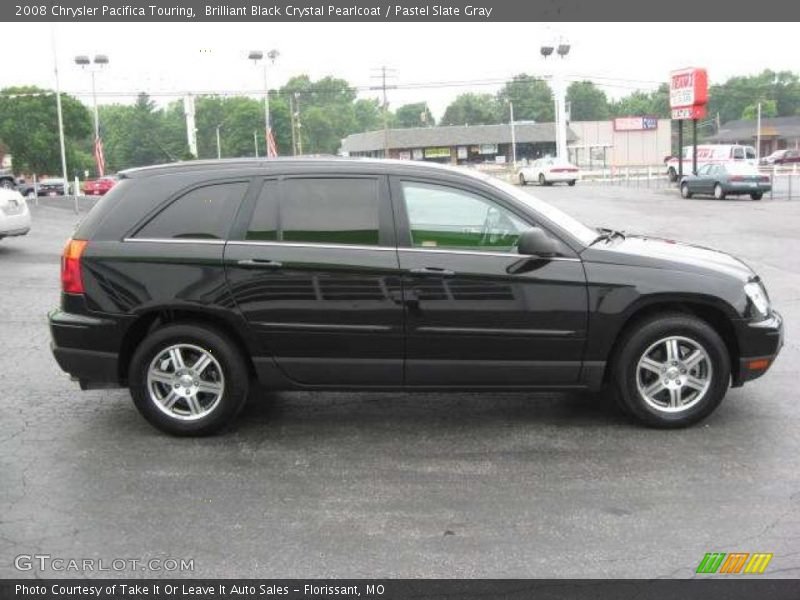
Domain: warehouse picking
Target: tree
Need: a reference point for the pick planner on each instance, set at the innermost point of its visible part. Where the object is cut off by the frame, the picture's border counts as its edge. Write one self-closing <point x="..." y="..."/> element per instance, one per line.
<point x="472" y="109"/>
<point x="732" y="98"/>
<point x="769" y="108"/>
<point x="29" y="130"/>
<point x="414" y="115"/>
<point x="643" y="104"/>
<point x="532" y="98"/>
<point x="368" y="114"/>
<point x="587" y="102"/>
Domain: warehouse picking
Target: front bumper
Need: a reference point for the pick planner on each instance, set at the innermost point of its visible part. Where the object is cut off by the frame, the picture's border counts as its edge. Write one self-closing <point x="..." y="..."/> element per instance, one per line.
<point x="72" y="336"/>
<point x="760" y="343"/>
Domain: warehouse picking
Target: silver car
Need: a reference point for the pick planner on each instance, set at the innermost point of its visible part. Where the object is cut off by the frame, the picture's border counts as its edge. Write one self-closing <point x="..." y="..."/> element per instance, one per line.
<point x="727" y="179"/>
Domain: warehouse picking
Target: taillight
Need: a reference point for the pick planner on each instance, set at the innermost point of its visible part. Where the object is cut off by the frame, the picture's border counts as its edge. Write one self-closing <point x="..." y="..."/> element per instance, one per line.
<point x="764" y="178"/>
<point x="71" y="278"/>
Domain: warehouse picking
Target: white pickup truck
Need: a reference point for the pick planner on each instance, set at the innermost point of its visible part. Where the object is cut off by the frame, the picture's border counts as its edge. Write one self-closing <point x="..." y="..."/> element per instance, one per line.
<point x="711" y="154"/>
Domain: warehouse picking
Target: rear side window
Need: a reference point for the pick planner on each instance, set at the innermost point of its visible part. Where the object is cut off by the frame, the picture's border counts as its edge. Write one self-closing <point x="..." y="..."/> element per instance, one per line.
<point x="203" y="213"/>
<point x="750" y="152"/>
<point x="319" y="211"/>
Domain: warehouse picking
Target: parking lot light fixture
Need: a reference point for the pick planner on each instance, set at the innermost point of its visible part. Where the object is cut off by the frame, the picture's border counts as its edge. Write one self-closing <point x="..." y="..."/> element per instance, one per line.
<point x="99" y="62"/>
<point x="256" y="56"/>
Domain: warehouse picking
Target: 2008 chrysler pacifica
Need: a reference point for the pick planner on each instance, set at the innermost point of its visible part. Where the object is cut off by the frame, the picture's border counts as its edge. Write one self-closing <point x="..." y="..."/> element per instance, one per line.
<point x="189" y="281"/>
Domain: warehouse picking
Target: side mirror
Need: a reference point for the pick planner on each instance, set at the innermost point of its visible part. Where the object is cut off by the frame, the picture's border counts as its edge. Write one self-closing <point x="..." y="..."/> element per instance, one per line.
<point x="536" y="242"/>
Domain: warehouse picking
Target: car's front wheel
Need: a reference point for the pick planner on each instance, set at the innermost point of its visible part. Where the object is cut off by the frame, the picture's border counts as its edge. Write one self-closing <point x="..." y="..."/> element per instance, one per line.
<point x="757" y="195"/>
<point x="685" y="193"/>
<point x="188" y="379"/>
<point x="671" y="371"/>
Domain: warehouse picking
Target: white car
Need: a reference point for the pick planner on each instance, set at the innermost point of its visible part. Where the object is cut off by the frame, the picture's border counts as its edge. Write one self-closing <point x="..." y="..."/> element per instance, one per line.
<point x="547" y="171"/>
<point x="15" y="218"/>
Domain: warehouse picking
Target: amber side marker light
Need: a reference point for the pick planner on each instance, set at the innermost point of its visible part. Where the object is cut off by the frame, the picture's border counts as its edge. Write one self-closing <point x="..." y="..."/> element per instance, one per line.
<point x="758" y="365"/>
<point x="71" y="277"/>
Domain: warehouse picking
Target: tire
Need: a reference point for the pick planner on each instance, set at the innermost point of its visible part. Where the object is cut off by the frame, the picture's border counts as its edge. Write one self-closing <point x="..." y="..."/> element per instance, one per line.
<point x="7" y="184"/>
<point x="208" y="412"/>
<point x="672" y="174"/>
<point x="31" y="195"/>
<point x="685" y="193"/>
<point x="719" y="193"/>
<point x="522" y="179"/>
<point x="571" y="182"/>
<point x="542" y="180"/>
<point x="757" y="195"/>
<point x="664" y="407"/>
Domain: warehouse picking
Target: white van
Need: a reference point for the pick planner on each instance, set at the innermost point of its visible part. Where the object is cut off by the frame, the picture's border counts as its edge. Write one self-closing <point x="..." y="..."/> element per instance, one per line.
<point x="711" y="154"/>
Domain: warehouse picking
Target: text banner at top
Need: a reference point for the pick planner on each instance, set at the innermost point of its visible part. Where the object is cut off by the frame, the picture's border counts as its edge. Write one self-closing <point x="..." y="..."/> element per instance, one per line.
<point x="417" y="11"/>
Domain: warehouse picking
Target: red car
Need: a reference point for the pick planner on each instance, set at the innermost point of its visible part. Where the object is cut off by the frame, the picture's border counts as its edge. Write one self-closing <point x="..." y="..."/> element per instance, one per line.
<point x="99" y="186"/>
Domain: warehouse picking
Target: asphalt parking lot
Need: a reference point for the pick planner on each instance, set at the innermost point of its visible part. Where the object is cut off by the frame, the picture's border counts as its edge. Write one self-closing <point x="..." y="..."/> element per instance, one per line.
<point x="400" y="485"/>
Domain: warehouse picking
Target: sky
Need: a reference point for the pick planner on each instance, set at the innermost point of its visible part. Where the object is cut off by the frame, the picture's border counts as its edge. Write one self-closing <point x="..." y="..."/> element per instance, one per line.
<point x="169" y="59"/>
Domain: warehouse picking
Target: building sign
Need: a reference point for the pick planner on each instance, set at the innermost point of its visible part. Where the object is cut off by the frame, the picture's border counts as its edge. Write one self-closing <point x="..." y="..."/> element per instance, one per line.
<point x="416" y="154"/>
<point x="688" y="89"/>
<point x="462" y="153"/>
<point x="689" y="112"/>
<point x="442" y="152"/>
<point x="635" y="123"/>
<point x="487" y="149"/>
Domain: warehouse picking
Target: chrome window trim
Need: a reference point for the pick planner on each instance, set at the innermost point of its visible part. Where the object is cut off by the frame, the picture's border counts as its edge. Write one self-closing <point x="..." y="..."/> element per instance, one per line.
<point x="312" y="245"/>
<point x="479" y="253"/>
<point x="176" y="241"/>
<point x="388" y="249"/>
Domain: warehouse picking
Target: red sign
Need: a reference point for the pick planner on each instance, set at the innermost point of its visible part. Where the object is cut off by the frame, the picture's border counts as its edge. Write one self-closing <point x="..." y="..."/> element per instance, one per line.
<point x="689" y="112"/>
<point x="688" y="87"/>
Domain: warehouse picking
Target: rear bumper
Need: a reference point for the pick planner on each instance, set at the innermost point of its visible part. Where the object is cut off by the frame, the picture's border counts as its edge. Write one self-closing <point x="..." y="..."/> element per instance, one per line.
<point x="75" y="343"/>
<point x="744" y="188"/>
<point x="759" y="344"/>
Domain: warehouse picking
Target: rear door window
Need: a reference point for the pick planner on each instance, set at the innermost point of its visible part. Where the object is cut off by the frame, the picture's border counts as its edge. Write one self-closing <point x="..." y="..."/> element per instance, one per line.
<point x="203" y="213"/>
<point x="329" y="211"/>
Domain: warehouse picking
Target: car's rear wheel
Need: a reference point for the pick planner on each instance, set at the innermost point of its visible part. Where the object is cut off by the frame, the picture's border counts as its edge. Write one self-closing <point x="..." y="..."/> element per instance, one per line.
<point x="719" y="193"/>
<point x="188" y="379"/>
<point x="542" y="180"/>
<point x="685" y="193"/>
<point x="671" y="371"/>
<point x="522" y="179"/>
<point x="672" y="174"/>
<point x="757" y="195"/>
<point x="571" y="182"/>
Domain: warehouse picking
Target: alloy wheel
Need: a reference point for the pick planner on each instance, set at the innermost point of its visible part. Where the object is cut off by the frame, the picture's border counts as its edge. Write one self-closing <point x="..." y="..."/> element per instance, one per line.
<point x="674" y="374"/>
<point x="185" y="382"/>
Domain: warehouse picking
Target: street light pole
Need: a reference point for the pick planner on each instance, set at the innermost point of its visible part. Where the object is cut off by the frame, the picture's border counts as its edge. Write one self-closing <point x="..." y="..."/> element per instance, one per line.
<point x="559" y="88"/>
<point x="100" y="60"/>
<point x="60" y="118"/>
<point x="255" y="56"/>
<point x="219" y="148"/>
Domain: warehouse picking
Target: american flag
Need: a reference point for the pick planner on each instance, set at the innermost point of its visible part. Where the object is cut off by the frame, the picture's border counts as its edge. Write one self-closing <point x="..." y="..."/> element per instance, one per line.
<point x="99" y="159"/>
<point x="272" y="148"/>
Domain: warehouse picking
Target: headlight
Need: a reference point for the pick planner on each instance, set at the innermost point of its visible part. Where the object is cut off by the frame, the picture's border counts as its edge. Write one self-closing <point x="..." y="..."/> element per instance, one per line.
<point x="758" y="296"/>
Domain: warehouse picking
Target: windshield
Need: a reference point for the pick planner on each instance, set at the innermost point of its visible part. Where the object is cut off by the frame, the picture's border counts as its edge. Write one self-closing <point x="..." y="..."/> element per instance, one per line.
<point x="581" y="232"/>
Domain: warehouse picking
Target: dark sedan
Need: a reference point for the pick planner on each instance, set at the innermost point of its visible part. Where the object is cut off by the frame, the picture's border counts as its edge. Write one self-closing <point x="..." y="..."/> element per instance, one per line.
<point x="721" y="180"/>
<point x="50" y="187"/>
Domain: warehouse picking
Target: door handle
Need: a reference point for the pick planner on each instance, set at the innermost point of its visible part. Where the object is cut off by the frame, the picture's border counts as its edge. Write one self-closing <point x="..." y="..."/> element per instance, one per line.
<point x="432" y="271"/>
<point x="258" y="263"/>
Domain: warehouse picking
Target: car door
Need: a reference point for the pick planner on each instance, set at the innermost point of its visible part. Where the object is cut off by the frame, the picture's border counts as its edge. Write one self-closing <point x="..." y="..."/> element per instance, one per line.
<point x="314" y="270"/>
<point x="700" y="183"/>
<point x="478" y="313"/>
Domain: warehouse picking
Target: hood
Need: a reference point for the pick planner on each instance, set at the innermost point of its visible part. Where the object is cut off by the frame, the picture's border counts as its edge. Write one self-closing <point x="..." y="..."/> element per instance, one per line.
<point x="659" y="253"/>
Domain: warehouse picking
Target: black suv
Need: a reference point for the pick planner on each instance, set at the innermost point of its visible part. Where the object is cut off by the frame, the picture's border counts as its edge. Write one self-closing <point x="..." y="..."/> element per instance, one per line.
<point x="188" y="282"/>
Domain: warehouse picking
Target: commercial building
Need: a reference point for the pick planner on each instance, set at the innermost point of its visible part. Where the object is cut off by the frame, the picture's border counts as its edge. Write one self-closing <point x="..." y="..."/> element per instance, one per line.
<point x="777" y="133"/>
<point x="631" y="141"/>
<point x="458" y="144"/>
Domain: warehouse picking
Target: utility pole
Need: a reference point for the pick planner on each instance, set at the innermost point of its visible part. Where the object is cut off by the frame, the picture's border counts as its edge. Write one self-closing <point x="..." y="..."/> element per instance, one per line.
<point x="513" y="136"/>
<point x="191" y="127"/>
<point x="298" y="125"/>
<point x="219" y="148"/>
<point x="255" y="141"/>
<point x="291" y="119"/>
<point x="758" y="135"/>
<point x="385" y="73"/>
